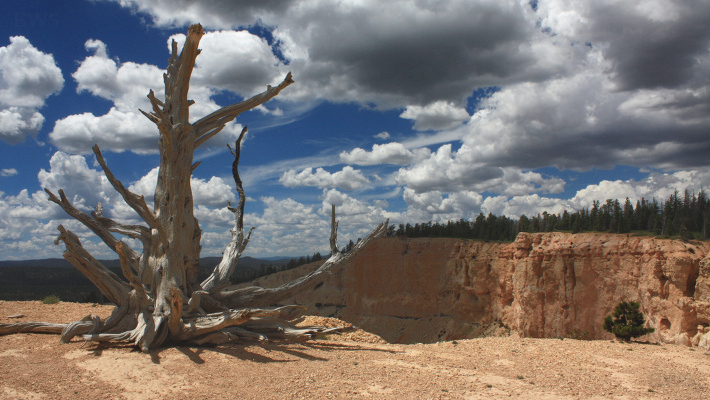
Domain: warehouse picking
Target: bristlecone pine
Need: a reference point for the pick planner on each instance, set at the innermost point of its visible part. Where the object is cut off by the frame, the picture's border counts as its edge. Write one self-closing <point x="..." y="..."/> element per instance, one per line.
<point x="159" y="300"/>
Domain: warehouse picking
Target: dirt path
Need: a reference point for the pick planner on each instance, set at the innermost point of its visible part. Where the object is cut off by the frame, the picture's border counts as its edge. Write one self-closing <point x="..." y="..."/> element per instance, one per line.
<point x="34" y="366"/>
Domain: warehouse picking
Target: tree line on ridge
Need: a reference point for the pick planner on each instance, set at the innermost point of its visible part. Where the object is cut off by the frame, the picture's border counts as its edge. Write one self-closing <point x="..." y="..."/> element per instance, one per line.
<point x="685" y="217"/>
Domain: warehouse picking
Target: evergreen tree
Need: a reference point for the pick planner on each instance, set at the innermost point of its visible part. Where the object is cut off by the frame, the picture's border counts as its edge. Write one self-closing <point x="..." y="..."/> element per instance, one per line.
<point x="626" y="322"/>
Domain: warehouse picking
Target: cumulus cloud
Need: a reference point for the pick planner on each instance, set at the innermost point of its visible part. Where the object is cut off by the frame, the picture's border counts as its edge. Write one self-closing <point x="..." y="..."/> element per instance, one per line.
<point x="116" y="131"/>
<point x="346" y="205"/>
<point x="85" y="187"/>
<point x="347" y="179"/>
<point x="8" y="172"/>
<point x="213" y="13"/>
<point x="436" y="206"/>
<point x="389" y="153"/>
<point x="213" y="192"/>
<point x="577" y="85"/>
<point x="450" y="171"/>
<point x="27" y="78"/>
<point x="579" y="123"/>
<point x="662" y="50"/>
<point x="122" y="127"/>
<point x="21" y="235"/>
<point x="126" y="84"/>
<point x="357" y="52"/>
<point x="439" y="115"/>
<point x="657" y="185"/>
<point x="236" y="61"/>
<point x="516" y="206"/>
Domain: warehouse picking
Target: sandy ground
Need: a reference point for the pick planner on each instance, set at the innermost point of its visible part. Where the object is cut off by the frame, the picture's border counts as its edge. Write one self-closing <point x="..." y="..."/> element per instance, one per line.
<point x="36" y="366"/>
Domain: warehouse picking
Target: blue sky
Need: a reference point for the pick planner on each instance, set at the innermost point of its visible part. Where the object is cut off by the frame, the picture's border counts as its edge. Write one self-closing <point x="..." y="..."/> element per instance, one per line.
<point x="408" y="110"/>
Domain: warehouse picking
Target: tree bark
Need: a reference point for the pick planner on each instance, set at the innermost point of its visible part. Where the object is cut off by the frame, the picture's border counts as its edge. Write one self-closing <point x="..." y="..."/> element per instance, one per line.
<point x="159" y="297"/>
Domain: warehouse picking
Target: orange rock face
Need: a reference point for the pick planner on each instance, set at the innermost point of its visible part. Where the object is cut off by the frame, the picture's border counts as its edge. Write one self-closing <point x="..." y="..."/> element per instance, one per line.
<point x="541" y="285"/>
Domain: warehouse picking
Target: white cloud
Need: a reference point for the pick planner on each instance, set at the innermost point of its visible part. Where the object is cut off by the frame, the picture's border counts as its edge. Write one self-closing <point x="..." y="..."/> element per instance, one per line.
<point x="236" y="61"/>
<point x="435" y="206"/>
<point x="439" y="115"/>
<point x="452" y="171"/>
<point x="27" y="78"/>
<point x="126" y="84"/>
<point x="582" y="121"/>
<point x="115" y="131"/>
<point x="657" y="185"/>
<point x="661" y="50"/>
<point x="382" y="135"/>
<point x="347" y="179"/>
<point x="8" y="172"/>
<point x="357" y="52"/>
<point x="576" y="86"/>
<point x="85" y="187"/>
<point x="389" y="153"/>
<point x="516" y="206"/>
<point x="287" y="227"/>
<point x="214" y="192"/>
<point x="18" y="122"/>
<point x="346" y="205"/>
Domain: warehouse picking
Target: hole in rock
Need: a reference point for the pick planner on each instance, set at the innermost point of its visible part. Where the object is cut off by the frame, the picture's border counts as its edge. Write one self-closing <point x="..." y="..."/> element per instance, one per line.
<point x="665" y="324"/>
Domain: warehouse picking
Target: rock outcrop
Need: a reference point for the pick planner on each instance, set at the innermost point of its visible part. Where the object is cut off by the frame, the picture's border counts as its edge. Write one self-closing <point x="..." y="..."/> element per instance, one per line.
<point x="541" y="285"/>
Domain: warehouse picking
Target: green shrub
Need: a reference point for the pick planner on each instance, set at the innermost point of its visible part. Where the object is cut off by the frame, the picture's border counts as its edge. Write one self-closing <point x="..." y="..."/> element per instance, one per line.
<point x="51" y="300"/>
<point x="626" y="322"/>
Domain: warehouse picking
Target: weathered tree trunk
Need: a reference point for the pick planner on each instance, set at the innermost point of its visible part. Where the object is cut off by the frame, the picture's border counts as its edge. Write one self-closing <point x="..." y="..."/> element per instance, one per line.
<point x="159" y="297"/>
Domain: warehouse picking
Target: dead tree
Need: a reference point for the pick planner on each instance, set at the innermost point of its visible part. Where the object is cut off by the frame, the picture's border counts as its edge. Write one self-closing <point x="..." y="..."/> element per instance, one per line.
<point x="159" y="298"/>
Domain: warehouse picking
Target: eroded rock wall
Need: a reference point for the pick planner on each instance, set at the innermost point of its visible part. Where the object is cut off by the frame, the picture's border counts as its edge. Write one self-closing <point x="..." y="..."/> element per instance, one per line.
<point x="541" y="285"/>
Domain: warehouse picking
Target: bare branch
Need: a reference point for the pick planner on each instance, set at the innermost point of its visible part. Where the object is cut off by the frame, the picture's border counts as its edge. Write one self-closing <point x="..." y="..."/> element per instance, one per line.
<point x="210" y="125"/>
<point x="152" y="117"/>
<point x="260" y="297"/>
<point x="132" y="231"/>
<point x="199" y="326"/>
<point x="106" y="281"/>
<point x="333" y="231"/>
<point x="238" y="181"/>
<point x="220" y="276"/>
<point x="136" y="202"/>
<point x="31" y="327"/>
<point x="95" y="224"/>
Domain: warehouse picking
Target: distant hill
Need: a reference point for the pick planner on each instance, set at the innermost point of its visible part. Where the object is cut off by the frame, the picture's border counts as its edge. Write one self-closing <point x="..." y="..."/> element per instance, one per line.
<point x="37" y="279"/>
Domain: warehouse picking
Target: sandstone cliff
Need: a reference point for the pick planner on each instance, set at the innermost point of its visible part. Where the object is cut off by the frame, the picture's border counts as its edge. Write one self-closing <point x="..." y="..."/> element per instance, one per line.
<point x="541" y="285"/>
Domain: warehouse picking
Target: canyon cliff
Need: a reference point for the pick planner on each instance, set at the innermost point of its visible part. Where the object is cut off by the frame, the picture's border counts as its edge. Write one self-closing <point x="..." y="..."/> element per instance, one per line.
<point x="541" y="285"/>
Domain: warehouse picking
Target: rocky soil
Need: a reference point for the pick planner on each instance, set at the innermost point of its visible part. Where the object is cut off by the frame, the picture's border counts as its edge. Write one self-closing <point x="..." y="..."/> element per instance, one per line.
<point x="359" y="365"/>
